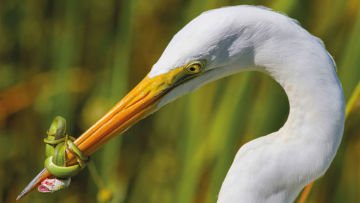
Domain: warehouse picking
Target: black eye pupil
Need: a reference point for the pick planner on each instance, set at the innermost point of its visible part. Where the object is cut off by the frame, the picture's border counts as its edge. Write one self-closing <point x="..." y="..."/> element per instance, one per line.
<point x="192" y="68"/>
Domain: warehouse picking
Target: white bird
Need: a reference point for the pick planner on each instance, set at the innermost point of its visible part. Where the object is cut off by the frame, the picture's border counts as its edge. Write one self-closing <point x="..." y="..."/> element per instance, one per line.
<point x="220" y="42"/>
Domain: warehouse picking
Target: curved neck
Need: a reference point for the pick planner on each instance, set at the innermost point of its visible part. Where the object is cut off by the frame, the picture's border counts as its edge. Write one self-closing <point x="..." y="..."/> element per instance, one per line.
<point x="314" y="102"/>
<point x="308" y="141"/>
<point x="314" y="92"/>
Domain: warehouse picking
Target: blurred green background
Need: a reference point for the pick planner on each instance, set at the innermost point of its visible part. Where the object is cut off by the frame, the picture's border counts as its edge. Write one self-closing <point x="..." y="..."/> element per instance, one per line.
<point x="77" y="58"/>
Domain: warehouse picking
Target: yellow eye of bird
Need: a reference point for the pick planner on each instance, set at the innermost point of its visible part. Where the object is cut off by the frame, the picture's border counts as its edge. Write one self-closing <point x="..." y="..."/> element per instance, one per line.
<point x="194" y="67"/>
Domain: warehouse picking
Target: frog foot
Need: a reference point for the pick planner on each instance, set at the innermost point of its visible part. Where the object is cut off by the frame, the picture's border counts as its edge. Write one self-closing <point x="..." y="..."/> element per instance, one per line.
<point x="63" y="171"/>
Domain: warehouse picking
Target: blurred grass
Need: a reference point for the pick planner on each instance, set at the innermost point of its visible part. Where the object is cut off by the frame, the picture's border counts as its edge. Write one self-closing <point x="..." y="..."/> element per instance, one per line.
<point x="77" y="58"/>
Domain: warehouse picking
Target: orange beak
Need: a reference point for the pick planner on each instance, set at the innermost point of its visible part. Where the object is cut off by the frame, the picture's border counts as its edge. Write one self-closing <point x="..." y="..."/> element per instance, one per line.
<point x="138" y="104"/>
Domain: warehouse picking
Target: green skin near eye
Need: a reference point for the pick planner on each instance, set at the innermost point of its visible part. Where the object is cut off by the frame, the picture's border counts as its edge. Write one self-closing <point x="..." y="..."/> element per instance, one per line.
<point x="56" y="144"/>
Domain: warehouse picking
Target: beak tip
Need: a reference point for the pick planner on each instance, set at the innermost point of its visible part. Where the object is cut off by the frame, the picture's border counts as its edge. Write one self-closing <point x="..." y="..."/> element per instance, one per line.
<point x="35" y="182"/>
<point x="20" y="195"/>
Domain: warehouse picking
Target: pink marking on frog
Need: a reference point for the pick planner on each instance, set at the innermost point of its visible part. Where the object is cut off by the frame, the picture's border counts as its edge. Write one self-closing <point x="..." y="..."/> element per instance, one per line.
<point x="53" y="185"/>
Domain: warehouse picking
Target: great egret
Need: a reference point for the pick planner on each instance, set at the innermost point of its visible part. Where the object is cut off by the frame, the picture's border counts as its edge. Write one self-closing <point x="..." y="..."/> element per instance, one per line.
<point x="224" y="41"/>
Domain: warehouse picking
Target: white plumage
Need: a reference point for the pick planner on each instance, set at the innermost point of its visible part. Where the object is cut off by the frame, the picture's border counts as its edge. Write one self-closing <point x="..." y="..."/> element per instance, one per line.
<point x="275" y="167"/>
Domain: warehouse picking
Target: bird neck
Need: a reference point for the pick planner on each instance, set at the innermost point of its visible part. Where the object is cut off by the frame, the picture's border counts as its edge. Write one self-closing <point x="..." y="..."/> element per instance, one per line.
<point x="304" y="147"/>
<point x="315" y="96"/>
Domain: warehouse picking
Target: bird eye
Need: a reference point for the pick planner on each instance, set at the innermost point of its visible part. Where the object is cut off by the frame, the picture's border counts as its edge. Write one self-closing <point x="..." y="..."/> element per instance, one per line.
<point x="194" y="67"/>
